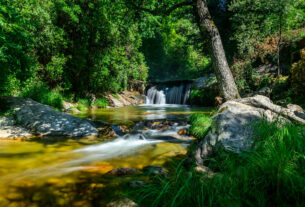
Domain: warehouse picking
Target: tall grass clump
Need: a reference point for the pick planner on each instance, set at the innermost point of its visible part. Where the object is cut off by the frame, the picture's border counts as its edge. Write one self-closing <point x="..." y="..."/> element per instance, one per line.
<point x="272" y="174"/>
<point x="43" y="94"/>
<point x="200" y="124"/>
<point x="101" y="103"/>
<point x="84" y="101"/>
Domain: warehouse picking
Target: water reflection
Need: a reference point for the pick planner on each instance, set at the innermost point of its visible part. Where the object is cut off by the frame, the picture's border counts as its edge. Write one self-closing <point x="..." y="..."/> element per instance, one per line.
<point x="143" y="112"/>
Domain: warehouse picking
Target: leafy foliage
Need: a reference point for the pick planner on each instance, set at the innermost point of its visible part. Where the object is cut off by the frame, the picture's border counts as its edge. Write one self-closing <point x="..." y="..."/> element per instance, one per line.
<point x="297" y="78"/>
<point x="271" y="175"/>
<point x="42" y="94"/>
<point x="80" y="46"/>
<point x="200" y="125"/>
<point x="101" y="103"/>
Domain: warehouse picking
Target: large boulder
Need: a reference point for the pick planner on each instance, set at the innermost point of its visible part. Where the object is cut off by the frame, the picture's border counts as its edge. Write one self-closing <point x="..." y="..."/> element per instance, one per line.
<point x="43" y="120"/>
<point x="232" y="126"/>
<point x="8" y="129"/>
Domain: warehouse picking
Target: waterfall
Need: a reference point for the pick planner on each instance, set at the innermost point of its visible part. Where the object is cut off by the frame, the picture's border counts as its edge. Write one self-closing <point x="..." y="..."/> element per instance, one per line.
<point x="155" y="97"/>
<point x="168" y="94"/>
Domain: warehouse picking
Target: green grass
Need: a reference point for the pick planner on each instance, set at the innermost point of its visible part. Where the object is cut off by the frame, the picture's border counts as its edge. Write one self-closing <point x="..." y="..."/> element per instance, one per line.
<point x="101" y="103"/>
<point x="82" y="107"/>
<point x="273" y="174"/>
<point x="116" y="96"/>
<point x="44" y="95"/>
<point x="84" y="102"/>
<point x="200" y="124"/>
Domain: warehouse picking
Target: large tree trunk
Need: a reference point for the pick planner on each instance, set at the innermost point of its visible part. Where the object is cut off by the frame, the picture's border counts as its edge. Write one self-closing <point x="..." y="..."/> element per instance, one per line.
<point x="224" y="76"/>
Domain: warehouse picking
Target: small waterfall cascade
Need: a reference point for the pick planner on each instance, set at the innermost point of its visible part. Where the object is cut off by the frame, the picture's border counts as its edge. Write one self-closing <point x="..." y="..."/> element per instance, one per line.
<point x="155" y="96"/>
<point x="168" y="94"/>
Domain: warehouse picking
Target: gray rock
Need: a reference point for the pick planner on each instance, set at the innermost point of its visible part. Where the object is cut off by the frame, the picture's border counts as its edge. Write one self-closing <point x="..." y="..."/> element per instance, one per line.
<point x="123" y="171"/>
<point x="8" y="129"/>
<point x="136" y="183"/>
<point x="204" y="82"/>
<point x="67" y="105"/>
<point x="232" y="126"/>
<point x="154" y="170"/>
<point x="73" y="111"/>
<point x="7" y="121"/>
<point x="266" y="69"/>
<point x="265" y="91"/>
<point x="115" y="102"/>
<point x="297" y="110"/>
<point x="124" y="202"/>
<point x="44" y="120"/>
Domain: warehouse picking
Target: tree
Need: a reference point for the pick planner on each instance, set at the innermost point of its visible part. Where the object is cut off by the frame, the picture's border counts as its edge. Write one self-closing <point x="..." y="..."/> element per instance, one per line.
<point x="208" y="29"/>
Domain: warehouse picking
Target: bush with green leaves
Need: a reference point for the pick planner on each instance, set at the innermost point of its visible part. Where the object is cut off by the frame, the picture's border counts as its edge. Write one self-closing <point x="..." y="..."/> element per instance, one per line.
<point x="84" y="101"/>
<point x="200" y="125"/>
<point x="101" y="103"/>
<point x="203" y="97"/>
<point x="272" y="174"/>
<point x="42" y="94"/>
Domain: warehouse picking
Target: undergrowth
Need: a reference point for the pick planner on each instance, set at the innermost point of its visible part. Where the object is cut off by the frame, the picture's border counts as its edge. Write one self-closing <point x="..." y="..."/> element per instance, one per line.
<point x="200" y="124"/>
<point x="44" y="95"/>
<point x="273" y="174"/>
<point x="101" y="103"/>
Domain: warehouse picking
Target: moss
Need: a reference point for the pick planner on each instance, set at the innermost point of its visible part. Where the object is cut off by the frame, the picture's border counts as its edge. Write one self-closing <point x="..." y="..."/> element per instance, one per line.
<point x="200" y="125"/>
<point x="297" y="78"/>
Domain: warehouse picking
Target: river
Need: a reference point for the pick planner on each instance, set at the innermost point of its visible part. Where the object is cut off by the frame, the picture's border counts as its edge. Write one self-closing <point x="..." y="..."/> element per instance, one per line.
<point x="71" y="172"/>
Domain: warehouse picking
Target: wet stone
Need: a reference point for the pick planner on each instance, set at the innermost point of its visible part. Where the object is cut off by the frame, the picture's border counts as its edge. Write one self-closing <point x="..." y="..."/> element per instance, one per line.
<point x="154" y="170"/>
<point x="124" y="202"/>
<point x="136" y="183"/>
<point x="182" y="132"/>
<point x="123" y="171"/>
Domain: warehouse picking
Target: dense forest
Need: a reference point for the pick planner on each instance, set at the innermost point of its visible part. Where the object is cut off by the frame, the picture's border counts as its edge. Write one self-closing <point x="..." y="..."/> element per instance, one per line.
<point x="152" y="103"/>
<point x="84" y="47"/>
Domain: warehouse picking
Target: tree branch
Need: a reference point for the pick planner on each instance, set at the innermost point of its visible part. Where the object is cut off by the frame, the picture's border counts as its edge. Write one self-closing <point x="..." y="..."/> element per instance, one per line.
<point x="162" y="11"/>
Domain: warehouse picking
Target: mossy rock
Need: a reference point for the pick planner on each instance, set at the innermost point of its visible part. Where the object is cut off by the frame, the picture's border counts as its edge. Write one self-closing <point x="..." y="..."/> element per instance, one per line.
<point x="297" y="77"/>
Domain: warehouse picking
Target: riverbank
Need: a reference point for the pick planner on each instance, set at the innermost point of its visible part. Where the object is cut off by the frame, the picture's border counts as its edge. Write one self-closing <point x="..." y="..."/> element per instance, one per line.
<point x="240" y="158"/>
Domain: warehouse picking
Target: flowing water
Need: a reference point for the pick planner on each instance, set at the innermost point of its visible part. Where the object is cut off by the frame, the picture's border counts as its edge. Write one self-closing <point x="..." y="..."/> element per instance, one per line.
<point x="71" y="172"/>
<point x="169" y="94"/>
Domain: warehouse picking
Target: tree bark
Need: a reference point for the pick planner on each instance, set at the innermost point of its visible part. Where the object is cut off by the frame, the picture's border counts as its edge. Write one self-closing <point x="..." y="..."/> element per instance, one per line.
<point x="223" y="73"/>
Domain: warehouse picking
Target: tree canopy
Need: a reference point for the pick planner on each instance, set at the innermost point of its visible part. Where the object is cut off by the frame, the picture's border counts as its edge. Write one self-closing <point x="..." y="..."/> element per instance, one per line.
<point x="82" y="46"/>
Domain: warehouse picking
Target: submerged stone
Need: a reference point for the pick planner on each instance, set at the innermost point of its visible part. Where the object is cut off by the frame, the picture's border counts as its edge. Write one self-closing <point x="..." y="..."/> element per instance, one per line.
<point x="154" y="170"/>
<point x="123" y="202"/>
<point x="123" y="171"/>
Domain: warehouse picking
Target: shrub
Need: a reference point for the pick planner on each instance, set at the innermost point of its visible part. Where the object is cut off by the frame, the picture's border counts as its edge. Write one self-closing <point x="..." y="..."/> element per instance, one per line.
<point x="43" y="94"/>
<point x="101" y="102"/>
<point x="81" y="107"/>
<point x="84" y="102"/>
<point x="200" y="124"/>
<point x="202" y="97"/>
<point x="297" y="77"/>
<point x="273" y="174"/>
